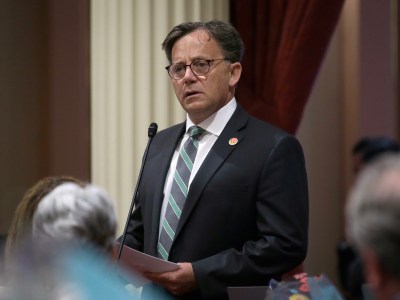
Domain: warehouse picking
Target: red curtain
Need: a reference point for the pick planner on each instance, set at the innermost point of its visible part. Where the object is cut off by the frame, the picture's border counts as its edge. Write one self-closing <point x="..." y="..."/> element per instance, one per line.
<point x="285" y="42"/>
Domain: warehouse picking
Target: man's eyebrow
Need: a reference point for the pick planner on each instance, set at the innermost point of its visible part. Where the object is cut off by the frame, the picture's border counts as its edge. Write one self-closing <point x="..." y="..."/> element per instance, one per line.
<point x="192" y="59"/>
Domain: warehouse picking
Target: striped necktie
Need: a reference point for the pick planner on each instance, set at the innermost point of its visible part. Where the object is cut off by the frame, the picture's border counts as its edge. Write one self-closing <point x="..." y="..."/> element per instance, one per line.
<point x="179" y="191"/>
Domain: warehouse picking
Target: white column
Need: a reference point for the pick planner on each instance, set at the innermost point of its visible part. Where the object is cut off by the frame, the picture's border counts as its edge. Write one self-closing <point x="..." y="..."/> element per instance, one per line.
<point x="130" y="87"/>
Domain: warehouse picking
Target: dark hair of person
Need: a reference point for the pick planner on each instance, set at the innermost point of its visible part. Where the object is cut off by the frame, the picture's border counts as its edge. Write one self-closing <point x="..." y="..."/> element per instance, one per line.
<point x="227" y="37"/>
<point x="371" y="147"/>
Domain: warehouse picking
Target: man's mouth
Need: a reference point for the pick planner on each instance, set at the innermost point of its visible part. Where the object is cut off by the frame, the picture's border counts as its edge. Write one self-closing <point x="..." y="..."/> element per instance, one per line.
<point x="190" y="93"/>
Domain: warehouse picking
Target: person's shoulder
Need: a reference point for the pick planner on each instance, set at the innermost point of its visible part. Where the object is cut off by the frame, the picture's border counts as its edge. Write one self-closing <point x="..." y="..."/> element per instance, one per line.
<point x="266" y="126"/>
<point x="265" y="129"/>
<point x="259" y="126"/>
<point x="169" y="134"/>
<point x="170" y="131"/>
<point x="265" y="134"/>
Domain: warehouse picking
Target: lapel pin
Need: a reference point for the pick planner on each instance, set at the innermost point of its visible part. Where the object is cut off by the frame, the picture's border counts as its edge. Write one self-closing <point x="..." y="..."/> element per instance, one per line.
<point x="233" y="141"/>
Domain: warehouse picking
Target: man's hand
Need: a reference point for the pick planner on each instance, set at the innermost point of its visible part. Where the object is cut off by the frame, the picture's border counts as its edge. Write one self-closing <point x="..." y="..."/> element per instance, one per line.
<point x="178" y="282"/>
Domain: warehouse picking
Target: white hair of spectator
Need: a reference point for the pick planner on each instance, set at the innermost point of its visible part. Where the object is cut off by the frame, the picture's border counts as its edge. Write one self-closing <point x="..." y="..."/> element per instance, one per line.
<point x="80" y="216"/>
<point x="373" y="211"/>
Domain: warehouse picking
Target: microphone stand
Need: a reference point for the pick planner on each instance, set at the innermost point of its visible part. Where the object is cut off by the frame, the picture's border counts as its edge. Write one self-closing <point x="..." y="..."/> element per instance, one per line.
<point x="151" y="133"/>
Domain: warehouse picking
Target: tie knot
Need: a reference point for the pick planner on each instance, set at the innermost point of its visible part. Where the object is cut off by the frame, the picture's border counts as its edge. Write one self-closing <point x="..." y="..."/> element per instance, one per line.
<point x="195" y="132"/>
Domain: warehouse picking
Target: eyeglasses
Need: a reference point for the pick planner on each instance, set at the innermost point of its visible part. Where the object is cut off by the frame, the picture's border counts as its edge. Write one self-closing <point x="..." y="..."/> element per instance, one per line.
<point x="199" y="67"/>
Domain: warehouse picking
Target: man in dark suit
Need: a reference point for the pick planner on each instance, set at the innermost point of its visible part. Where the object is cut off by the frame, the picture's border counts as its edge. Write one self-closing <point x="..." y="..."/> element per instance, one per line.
<point x="245" y="216"/>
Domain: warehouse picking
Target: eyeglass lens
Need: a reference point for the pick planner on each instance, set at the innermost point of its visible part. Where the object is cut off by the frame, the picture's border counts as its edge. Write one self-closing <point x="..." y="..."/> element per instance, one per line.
<point x="198" y="67"/>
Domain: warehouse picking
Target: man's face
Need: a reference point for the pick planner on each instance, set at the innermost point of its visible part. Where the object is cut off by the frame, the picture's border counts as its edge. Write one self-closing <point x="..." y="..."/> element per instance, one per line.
<point x="201" y="96"/>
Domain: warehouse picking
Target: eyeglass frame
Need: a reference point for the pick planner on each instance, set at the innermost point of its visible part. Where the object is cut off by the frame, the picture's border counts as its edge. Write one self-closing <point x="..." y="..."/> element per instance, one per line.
<point x="208" y="61"/>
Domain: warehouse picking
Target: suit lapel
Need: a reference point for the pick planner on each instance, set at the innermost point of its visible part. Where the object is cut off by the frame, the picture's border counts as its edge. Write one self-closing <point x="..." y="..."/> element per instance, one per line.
<point x="217" y="155"/>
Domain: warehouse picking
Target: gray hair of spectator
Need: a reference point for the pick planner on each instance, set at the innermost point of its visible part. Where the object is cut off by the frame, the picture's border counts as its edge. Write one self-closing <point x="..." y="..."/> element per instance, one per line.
<point x="81" y="216"/>
<point x="227" y="37"/>
<point x="373" y="211"/>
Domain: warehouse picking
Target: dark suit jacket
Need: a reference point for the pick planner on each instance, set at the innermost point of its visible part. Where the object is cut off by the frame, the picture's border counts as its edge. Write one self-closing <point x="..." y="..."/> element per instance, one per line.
<point x="245" y="219"/>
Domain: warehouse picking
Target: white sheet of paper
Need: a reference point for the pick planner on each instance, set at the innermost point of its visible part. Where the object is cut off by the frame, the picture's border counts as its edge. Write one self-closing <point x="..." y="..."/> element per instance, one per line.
<point x="132" y="259"/>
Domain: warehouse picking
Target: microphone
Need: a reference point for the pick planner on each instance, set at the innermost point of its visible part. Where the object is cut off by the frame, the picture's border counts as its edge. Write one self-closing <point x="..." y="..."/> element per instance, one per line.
<point x="151" y="133"/>
<point x="152" y="130"/>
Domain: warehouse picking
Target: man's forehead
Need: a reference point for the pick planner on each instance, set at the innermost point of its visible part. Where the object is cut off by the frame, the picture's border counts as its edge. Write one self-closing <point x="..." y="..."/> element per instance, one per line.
<point x="199" y="35"/>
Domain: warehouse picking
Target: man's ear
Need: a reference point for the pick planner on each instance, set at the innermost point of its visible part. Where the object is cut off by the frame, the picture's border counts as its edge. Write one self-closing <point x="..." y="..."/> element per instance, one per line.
<point x="235" y="71"/>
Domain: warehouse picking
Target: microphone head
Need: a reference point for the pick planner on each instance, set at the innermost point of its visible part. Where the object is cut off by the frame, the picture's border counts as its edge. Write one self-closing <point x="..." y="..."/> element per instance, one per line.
<point x="152" y="130"/>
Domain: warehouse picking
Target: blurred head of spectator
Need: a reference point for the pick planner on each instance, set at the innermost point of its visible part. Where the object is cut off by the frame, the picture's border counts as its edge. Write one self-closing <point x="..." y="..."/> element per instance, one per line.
<point x="21" y="225"/>
<point x="69" y="255"/>
<point x="369" y="148"/>
<point x="77" y="215"/>
<point x="373" y="224"/>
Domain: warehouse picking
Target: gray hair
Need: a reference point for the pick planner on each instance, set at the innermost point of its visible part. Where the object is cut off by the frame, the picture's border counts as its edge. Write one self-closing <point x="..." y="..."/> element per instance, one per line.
<point x="81" y="216"/>
<point x="226" y="36"/>
<point x="373" y="211"/>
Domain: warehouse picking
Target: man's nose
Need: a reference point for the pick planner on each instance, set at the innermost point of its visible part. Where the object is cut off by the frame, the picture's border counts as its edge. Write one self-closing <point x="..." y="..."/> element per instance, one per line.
<point x="189" y="74"/>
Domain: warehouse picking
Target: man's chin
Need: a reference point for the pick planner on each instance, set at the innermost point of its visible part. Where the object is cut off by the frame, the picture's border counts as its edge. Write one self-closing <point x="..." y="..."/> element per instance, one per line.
<point x="197" y="115"/>
<point x="194" y="105"/>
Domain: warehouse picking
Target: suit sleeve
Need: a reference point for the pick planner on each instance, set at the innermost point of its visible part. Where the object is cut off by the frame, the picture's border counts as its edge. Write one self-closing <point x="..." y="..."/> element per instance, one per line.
<point x="135" y="233"/>
<point x="282" y="225"/>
